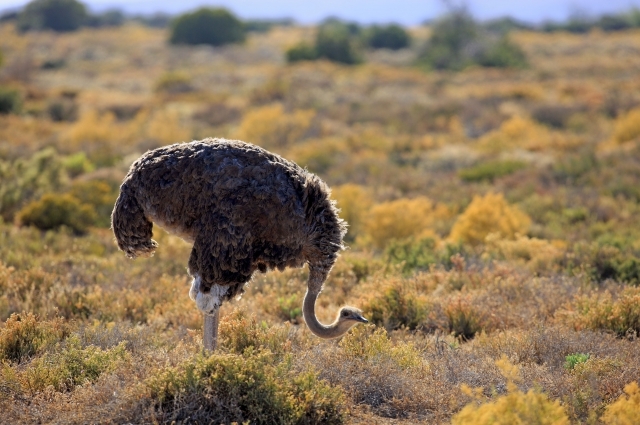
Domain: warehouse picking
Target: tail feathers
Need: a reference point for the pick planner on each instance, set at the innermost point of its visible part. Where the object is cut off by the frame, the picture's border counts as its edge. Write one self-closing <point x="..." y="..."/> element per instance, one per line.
<point x="132" y="229"/>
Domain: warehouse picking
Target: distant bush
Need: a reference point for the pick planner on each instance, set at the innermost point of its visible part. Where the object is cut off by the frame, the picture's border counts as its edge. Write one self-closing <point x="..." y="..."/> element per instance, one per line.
<point x="502" y="54"/>
<point x="156" y="20"/>
<point x="457" y="42"/>
<point x="625" y="410"/>
<point x="24" y="335"/>
<point x="56" y="15"/>
<point x="174" y="83"/>
<point x="77" y="164"/>
<point x="10" y="101"/>
<point x="626" y="128"/>
<point x="99" y="196"/>
<point x="412" y="254"/>
<point x="63" y="110"/>
<point x="387" y="37"/>
<point x="301" y="52"/>
<point x="108" y="18"/>
<point x="254" y="387"/>
<point x="488" y="171"/>
<point x="486" y="215"/>
<point x="52" y="211"/>
<point x="272" y="127"/>
<point x="336" y="43"/>
<point x="207" y="26"/>
<point x="264" y="25"/>
<point x="354" y="202"/>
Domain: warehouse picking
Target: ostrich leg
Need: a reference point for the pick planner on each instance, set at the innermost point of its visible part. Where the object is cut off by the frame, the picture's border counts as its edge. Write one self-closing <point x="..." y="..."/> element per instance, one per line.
<point x="210" y="337"/>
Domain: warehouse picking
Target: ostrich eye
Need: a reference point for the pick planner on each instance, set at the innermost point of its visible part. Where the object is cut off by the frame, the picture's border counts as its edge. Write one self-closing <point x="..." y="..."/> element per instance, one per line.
<point x="345" y="314"/>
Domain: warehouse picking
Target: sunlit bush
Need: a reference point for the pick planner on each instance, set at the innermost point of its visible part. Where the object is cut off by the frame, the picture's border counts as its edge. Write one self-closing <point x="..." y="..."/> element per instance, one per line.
<point x="463" y="319"/>
<point x="625" y="410"/>
<point x="52" y="211"/>
<point x="255" y="387"/>
<point x="490" y="170"/>
<point x="620" y="315"/>
<point x="486" y="215"/>
<point x="354" y="202"/>
<point x="99" y="195"/>
<point x="24" y="336"/>
<point x="239" y="333"/>
<point x="516" y="407"/>
<point x="396" y="303"/>
<point x="626" y="128"/>
<point x="403" y="218"/>
<point x="28" y="178"/>
<point x="272" y="127"/>
<point x="73" y="365"/>
<point x="538" y="254"/>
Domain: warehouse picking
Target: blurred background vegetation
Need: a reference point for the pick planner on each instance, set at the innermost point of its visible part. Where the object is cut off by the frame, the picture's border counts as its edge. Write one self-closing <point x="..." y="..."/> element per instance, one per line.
<point x="489" y="172"/>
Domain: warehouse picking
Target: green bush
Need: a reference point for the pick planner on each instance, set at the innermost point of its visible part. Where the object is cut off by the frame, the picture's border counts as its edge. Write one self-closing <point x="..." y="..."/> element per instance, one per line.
<point x="108" y="18"/>
<point x="56" y="15"/>
<point x="254" y="387"/>
<point x="503" y="54"/>
<point x="53" y="210"/>
<point x="387" y="37"/>
<point x="457" y="42"/>
<point x="207" y="26"/>
<point x="99" y="195"/>
<point x="336" y="43"/>
<point x="412" y="254"/>
<point x="396" y="304"/>
<point x="488" y="171"/>
<point x="301" y="52"/>
<point x="571" y="360"/>
<point x="10" y="101"/>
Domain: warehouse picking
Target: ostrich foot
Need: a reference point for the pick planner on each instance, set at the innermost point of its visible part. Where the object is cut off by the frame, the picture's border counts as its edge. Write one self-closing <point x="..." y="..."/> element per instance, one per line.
<point x="210" y="336"/>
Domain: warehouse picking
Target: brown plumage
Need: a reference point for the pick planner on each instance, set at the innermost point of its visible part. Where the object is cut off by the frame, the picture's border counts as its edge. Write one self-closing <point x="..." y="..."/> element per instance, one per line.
<point x="243" y="208"/>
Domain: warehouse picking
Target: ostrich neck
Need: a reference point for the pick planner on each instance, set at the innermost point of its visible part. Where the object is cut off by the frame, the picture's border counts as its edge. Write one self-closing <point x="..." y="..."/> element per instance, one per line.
<point x="333" y="330"/>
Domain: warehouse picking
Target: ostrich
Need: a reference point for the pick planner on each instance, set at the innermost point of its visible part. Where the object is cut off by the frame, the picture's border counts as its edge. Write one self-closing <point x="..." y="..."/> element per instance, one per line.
<point x="243" y="209"/>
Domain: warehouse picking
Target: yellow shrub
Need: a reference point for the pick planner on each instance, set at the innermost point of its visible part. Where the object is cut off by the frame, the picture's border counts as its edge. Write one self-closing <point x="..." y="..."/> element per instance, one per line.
<point x="354" y="202"/>
<point x="91" y="128"/>
<point x="626" y="410"/>
<point x="627" y="128"/>
<point x="270" y="126"/>
<point x="486" y="215"/>
<point x="403" y="218"/>
<point x="524" y="133"/>
<point x="164" y="127"/>
<point x="514" y="408"/>
<point x="538" y="254"/>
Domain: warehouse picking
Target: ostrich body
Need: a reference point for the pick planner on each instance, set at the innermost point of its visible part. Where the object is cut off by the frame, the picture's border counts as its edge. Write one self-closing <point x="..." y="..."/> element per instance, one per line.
<point x="243" y="209"/>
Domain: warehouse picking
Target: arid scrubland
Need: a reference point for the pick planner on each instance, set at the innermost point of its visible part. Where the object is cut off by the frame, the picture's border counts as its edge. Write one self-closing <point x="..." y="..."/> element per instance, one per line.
<point x="494" y="234"/>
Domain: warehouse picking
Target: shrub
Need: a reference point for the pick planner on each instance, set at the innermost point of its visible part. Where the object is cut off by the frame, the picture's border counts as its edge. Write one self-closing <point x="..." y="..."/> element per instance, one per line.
<point x="625" y="410"/>
<point x="571" y="360"/>
<point x="334" y="42"/>
<point x="174" y="83"/>
<point x="502" y="54"/>
<point x="77" y="164"/>
<point x="24" y="335"/>
<point x="490" y="170"/>
<point x="403" y="218"/>
<point x="108" y="18"/>
<point x="271" y="127"/>
<point x="99" y="196"/>
<point x="626" y="128"/>
<point x="396" y="303"/>
<point x="486" y="215"/>
<point x="73" y="365"/>
<point x="56" y="15"/>
<point x="301" y="52"/>
<point x="207" y="26"/>
<point x="239" y="333"/>
<point x="601" y="312"/>
<point x="387" y="37"/>
<point x="354" y="202"/>
<point x="464" y="320"/>
<point x="516" y="407"/>
<point x="254" y="387"/>
<point x="10" y="101"/>
<point x="63" y="110"/>
<point x="52" y="211"/>
<point x="413" y="254"/>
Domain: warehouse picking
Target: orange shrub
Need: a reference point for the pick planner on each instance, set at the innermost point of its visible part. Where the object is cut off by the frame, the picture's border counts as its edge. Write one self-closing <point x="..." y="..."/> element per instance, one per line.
<point x="487" y="215"/>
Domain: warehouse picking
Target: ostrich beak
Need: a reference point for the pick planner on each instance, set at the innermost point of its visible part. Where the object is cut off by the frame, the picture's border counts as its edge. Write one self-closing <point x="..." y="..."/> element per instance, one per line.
<point x="362" y="319"/>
